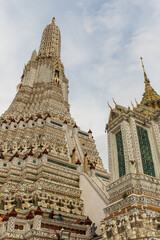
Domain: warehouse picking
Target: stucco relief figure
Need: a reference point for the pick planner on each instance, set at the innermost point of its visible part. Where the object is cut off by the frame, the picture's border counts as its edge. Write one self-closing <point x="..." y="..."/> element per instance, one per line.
<point x="14" y="147"/>
<point x="9" y="202"/>
<point x="157" y="223"/>
<point x="4" y="147"/>
<point x="35" y="199"/>
<point x="34" y="144"/>
<point x="24" y="146"/>
<point x="151" y="224"/>
<point x="115" y="233"/>
<point x="103" y="230"/>
<point x="130" y="233"/>
<point x="93" y="230"/>
<point x="26" y="200"/>
<point x="54" y="203"/>
<point x="43" y="198"/>
<point x="147" y="228"/>
<point x="139" y="224"/>
<point x="133" y="166"/>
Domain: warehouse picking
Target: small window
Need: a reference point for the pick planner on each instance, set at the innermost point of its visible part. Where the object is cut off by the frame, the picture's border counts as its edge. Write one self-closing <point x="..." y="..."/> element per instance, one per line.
<point x="19" y="163"/>
<point x="56" y="73"/>
<point x="34" y="161"/>
<point x="4" y="165"/>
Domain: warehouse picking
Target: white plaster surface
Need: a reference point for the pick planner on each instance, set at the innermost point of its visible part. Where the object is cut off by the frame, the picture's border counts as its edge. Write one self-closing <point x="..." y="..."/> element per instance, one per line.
<point x="92" y="202"/>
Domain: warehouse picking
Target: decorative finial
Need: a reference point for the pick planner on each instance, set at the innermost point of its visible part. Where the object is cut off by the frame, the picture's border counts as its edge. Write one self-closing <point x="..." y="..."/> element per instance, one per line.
<point x="136" y="102"/>
<point x="145" y="75"/>
<point x="132" y="104"/>
<point x="114" y="101"/>
<point x="53" y="20"/>
<point x="109" y="105"/>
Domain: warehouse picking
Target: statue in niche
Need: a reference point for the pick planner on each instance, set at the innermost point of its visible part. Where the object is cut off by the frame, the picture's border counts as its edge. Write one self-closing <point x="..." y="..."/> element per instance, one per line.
<point x="26" y="200"/>
<point x="93" y="230"/>
<point x="42" y="200"/>
<point x="35" y="200"/>
<point x="56" y="74"/>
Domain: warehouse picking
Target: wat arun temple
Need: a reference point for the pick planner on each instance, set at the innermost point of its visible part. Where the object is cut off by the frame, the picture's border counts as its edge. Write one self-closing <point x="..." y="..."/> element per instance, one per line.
<point x="53" y="184"/>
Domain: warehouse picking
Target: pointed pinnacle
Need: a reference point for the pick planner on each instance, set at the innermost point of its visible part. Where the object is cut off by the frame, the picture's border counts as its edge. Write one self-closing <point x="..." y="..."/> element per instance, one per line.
<point x="53" y="20"/>
<point x="114" y="101"/>
<point x="136" y="102"/>
<point x="132" y="105"/>
<point x="109" y="105"/>
<point x="145" y="75"/>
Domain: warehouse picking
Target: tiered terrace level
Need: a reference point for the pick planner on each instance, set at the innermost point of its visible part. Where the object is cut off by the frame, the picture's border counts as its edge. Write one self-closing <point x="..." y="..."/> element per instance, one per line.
<point x="45" y="159"/>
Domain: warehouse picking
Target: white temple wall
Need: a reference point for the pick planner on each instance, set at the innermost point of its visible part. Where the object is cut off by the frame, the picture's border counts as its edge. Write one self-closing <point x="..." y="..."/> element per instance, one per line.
<point x="92" y="200"/>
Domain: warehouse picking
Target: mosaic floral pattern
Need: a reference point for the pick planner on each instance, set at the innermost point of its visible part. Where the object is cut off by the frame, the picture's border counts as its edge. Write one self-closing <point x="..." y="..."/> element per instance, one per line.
<point x="146" y="154"/>
<point x="121" y="160"/>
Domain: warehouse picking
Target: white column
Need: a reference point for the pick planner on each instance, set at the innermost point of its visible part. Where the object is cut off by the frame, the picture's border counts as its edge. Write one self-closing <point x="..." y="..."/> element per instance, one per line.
<point x="128" y="147"/>
<point x="136" y="148"/>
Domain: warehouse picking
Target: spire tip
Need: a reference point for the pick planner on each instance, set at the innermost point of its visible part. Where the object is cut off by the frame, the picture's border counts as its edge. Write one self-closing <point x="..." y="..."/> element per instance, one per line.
<point x="145" y="75"/>
<point x="53" y="20"/>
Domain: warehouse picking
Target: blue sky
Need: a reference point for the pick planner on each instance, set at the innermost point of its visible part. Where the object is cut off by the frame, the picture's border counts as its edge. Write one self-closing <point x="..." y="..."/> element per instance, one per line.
<point x="102" y="41"/>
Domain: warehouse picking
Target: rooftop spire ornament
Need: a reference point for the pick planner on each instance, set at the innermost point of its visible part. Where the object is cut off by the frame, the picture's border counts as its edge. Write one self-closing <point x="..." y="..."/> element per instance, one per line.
<point x="109" y="105"/>
<point x="145" y="75"/>
<point x="114" y="101"/>
<point x="53" y="20"/>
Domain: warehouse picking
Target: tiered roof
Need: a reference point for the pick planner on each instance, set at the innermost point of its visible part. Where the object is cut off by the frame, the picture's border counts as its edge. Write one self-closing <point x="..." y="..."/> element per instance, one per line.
<point x="149" y="104"/>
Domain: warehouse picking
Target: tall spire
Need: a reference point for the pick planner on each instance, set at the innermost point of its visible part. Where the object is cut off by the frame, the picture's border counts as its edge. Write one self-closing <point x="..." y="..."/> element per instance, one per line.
<point x="51" y="41"/>
<point x="145" y="75"/>
<point x="146" y="80"/>
<point x="44" y="75"/>
<point x="150" y="97"/>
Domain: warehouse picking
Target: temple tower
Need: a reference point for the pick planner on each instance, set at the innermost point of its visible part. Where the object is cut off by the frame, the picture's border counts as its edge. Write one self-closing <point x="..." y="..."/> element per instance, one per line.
<point x="47" y="163"/>
<point x="134" y="163"/>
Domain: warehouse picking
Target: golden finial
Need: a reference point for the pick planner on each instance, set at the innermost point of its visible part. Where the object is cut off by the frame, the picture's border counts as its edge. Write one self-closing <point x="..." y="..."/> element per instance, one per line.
<point x="109" y="105"/>
<point x="132" y="104"/>
<point x="136" y="102"/>
<point x="53" y="20"/>
<point x="19" y="86"/>
<point x="145" y="75"/>
<point x="114" y="101"/>
<point x="142" y="64"/>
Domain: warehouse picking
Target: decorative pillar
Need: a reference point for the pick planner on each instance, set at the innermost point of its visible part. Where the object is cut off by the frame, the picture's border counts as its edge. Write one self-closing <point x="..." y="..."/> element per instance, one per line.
<point x="37" y="222"/>
<point x="3" y="227"/>
<point x="37" y="219"/>
<point x="12" y="220"/>
<point x="136" y="148"/>
<point x="85" y="163"/>
<point x="11" y="224"/>
<point x="130" y="164"/>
